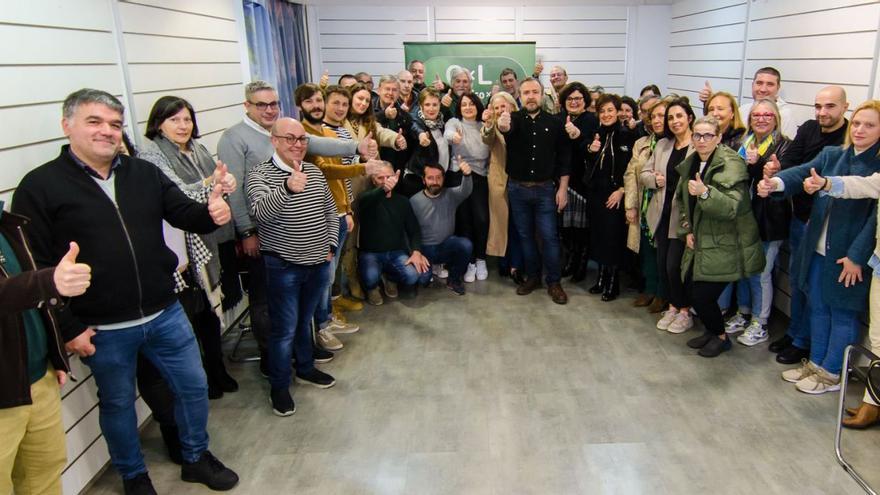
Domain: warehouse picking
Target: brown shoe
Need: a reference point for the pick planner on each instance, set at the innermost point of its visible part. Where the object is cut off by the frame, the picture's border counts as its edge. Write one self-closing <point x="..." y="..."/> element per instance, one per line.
<point x="557" y="294"/>
<point x="529" y="285"/>
<point x="658" y="305"/>
<point x="867" y="415"/>
<point x="643" y="300"/>
<point x="347" y="304"/>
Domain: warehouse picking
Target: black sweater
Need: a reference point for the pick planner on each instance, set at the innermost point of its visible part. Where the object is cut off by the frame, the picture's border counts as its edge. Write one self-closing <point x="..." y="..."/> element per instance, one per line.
<point x="131" y="265"/>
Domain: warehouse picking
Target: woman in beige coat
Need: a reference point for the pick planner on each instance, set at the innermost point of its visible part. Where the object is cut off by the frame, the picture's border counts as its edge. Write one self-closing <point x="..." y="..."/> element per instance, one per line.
<point x="636" y="200"/>
<point x="500" y="227"/>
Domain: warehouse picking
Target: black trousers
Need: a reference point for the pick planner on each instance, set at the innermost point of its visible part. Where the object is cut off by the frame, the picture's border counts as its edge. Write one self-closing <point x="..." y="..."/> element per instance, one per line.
<point x="669" y="253"/>
<point x="259" y="304"/>
<point x="472" y="217"/>
<point x="705" y="297"/>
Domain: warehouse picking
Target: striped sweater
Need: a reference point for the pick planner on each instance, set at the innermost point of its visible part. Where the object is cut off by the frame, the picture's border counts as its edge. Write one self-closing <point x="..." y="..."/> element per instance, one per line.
<point x="300" y="228"/>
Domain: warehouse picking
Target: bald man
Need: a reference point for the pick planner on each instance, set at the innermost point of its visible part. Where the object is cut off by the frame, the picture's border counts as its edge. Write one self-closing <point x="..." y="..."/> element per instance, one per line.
<point x="558" y="80"/>
<point x="827" y="129"/>
<point x="409" y="96"/>
<point x="299" y="236"/>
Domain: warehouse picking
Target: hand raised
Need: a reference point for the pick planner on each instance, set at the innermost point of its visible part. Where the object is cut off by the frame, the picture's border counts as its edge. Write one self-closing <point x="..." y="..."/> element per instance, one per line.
<point x="297" y="181"/>
<point x="72" y="278"/>
<point x="217" y="206"/>
<point x="814" y="182"/>
<point x="596" y="145"/>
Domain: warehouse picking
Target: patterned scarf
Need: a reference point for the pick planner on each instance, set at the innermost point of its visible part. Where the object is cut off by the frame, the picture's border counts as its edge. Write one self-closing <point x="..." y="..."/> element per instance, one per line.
<point x="762" y="147"/>
<point x="436" y="124"/>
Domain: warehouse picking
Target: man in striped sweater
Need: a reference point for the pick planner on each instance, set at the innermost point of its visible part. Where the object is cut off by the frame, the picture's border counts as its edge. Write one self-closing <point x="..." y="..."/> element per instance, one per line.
<point x="299" y="231"/>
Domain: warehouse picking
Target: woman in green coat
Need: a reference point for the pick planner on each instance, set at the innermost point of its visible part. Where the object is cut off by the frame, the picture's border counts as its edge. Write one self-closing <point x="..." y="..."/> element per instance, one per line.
<point x="723" y="243"/>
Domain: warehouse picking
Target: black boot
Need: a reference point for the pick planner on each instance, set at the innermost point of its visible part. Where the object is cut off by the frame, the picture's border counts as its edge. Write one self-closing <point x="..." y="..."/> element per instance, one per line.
<point x="612" y="286"/>
<point x="581" y="273"/>
<point x="573" y="260"/>
<point x="171" y="437"/>
<point x="600" y="281"/>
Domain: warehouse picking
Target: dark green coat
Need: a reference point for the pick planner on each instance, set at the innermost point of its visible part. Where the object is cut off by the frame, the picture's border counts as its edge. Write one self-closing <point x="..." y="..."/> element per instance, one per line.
<point x="727" y="244"/>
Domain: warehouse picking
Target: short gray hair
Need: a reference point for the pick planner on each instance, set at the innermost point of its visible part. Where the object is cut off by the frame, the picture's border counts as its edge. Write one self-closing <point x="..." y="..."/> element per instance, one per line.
<point x="89" y="95"/>
<point x="387" y="78"/>
<point x="256" y="86"/>
<point x="458" y="71"/>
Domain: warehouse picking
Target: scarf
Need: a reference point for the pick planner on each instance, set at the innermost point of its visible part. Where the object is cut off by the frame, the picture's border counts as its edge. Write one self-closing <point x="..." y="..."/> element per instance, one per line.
<point x="436" y="124"/>
<point x="762" y="147"/>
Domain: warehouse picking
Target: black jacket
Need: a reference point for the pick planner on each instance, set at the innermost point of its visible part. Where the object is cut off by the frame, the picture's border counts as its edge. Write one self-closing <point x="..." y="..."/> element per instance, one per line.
<point x="131" y="265"/>
<point x="773" y="215"/>
<point x="617" y="153"/>
<point x="403" y="121"/>
<point x="588" y="124"/>
<point x="30" y="289"/>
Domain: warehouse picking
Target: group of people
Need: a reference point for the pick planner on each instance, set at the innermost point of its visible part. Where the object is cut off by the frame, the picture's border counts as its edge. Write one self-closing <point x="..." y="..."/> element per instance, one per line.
<point x="127" y="256"/>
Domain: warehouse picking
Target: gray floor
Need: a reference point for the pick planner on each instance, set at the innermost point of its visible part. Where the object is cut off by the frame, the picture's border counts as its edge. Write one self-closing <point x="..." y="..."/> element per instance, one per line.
<point x="493" y="393"/>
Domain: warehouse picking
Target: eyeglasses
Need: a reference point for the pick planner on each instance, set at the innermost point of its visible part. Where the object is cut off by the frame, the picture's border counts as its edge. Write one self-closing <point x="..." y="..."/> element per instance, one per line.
<point x="574" y="98"/>
<point x="763" y="116"/>
<point x="262" y="106"/>
<point x="704" y="137"/>
<point x="292" y="140"/>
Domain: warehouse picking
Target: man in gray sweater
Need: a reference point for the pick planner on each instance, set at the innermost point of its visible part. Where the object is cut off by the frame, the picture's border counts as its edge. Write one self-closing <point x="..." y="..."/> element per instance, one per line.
<point x="241" y="147"/>
<point x="435" y="207"/>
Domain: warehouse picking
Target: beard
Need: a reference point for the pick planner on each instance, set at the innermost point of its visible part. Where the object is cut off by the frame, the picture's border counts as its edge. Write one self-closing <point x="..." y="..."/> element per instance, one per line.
<point x="310" y="117"/>
<point x="434" y="190"/>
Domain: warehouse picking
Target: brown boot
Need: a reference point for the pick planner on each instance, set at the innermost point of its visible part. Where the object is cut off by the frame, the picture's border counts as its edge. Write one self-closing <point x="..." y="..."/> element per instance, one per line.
<point x="557" y="294"/>
<point x="658" y="305"/>
<point x="851" y="411"/>
<point x="867" y="415"/>
<point x="643" y="300"/>
<point x="529" y="285"/>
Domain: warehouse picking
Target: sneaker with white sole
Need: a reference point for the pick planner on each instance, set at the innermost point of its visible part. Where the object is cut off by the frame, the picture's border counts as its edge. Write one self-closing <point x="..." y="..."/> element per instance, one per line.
<point x="755" y="334"/>
<point x="482" y="271"/>
<point x="736" y="323"/>
<point x="667" y="318"/>
<point x="819" y="382"/>
<point x="682" y="323"/>
<point x="471" y="274"/>
<point x="328" y="341"/>
<point x="339" y="324"/>
<point x="440" y="271"/>
<point x="374" y="296"/>
<point x="795" y="375"/>
<point x="390" y="287"/>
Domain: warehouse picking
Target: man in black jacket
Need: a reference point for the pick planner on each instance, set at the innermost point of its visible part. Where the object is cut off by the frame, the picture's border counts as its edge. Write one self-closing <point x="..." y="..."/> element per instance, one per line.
<point x="112" y="206"/>
<point x="32" y="364"/>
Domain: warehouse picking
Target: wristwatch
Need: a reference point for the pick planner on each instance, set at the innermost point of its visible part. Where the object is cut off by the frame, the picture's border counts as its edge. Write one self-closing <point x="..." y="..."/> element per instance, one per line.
<point x="705" y="195"/>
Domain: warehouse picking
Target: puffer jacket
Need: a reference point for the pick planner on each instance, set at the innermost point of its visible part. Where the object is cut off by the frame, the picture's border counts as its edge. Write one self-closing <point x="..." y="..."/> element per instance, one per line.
<point x="727" y="246"/>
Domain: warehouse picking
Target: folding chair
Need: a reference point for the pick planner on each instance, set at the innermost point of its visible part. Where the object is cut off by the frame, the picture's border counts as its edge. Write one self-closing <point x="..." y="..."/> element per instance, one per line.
<point x="871" y="377"/>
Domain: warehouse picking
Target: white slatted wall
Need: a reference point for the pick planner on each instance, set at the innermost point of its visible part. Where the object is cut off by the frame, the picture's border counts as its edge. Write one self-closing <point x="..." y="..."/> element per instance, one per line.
<point x="589" y="41"/>
<point x="49" y="48"/>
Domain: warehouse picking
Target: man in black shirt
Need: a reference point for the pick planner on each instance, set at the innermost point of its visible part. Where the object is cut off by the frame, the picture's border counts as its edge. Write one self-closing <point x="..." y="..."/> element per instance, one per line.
<point x="828" y="129"/>
<point x="537" y="155"/>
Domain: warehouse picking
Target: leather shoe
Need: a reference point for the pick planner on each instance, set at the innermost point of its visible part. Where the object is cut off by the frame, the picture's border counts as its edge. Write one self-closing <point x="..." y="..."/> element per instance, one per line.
<point x="867" y="415"/>
<point x="792" y="355"/>
<point x="557" y="294"/>
<point x="643" y="300"/>
<point x="529" y="285"/>
<point x="658" y="305"/>
<point x="780" y="344"/>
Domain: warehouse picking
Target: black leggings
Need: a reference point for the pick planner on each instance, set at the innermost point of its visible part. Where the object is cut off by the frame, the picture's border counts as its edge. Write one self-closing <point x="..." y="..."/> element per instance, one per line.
<point x="669" y="253"/>
<point x="472" y="217"/>
<point x="705" y="297"/>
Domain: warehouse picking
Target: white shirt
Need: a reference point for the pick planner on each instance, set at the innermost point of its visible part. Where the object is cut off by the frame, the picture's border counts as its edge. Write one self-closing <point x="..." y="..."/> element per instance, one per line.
<point x="255" y="126"/>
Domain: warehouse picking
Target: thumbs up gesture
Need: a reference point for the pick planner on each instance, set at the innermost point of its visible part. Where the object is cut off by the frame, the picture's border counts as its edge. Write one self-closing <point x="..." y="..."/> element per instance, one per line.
<point x="438" y="83"/>
<point x="217" y="207"/>
<point x="488" y="115"/>
<point x="571" y="129"/>
<point x="368" y="148"/>
<point x="463" y="166"/>
<point x="325" y="79"/>
<point x="424" y="139"/>
<point x="224" y="178"/>
<point x="400" y="141"/>
<point x="631" y="123"/>
<point x="495" y="89"/>
<point x="814" y="182"/>
<point x="596" y="144"/>
<point x="390" y="182"/>
<point x="539" y="68"/>
<point x="751" y="153"/>
<point x="696" y="186"/>
<point x="446" y="101"/>
<point x="391" y="111"/>
<point x="772" y="167"/>
<point x="72" y="278"/>
<point x="504" y="121"/>
<point x="297" y="181"/>
<point x="706" y="92"/>
<point x="373" y="166"/>
<point x="457" y="137"/>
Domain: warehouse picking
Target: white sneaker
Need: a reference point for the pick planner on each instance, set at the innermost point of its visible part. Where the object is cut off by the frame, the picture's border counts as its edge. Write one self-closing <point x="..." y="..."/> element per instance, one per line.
<point x="439" y="271"/>
<point x="819" y="382"/>
<point x="755" y="334"/>
<point x="666" y="319"/>
<point x="794" y="375"/>
<point x="736" y="323"/>
<point x="338" y="324"/>
<point x="482" y="271"/>
<point x="682" y="323"/>
<point x="328" y="341"/>
<point x="471" y="274"/>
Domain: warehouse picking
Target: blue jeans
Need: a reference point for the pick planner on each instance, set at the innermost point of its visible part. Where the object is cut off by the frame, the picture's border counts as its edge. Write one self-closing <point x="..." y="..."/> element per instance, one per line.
<point x="371" y="266"/>
<point x="454" y="252"/>
<point x="169" y="343"/>
<point x="322" y="313"/>
<point x="799" y="326"/>
<point x="754" y="295"/>
<point x="534" y="208"/>
<point x="832" y="329"/>
<point x="294" y="292"/>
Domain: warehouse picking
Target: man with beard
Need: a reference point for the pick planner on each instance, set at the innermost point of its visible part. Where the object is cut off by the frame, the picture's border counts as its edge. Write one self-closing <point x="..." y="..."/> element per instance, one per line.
<point x="828" y="129"/>
<point x="461" y="84"/>
<point x="338" y="170"/>
<point x="538" y="154"/>
<point x="391" y="115"/>
<point x="510" y="84"/>
<point x="417" y="69"/>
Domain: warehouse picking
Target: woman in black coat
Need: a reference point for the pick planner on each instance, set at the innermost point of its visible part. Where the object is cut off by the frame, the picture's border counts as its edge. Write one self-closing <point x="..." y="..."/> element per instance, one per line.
<point x="607" y="159"/>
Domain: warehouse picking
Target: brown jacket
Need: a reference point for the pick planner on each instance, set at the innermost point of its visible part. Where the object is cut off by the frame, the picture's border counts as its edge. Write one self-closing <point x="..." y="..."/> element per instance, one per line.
<point x="334" y="170"/>
<point x="498" y="206"/>
<point x="632" y="189"/>
<point x="30" y="289"/>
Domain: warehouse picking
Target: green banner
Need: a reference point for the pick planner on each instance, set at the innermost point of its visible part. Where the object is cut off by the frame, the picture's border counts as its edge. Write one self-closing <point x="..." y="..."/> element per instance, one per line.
<point x="484" y="60"/>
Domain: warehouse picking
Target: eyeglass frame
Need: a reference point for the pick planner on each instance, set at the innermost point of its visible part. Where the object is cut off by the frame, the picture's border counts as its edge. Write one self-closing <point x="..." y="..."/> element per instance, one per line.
<point x="698" y="136"/>
<point x="293" y="140"/>
<point x="262" y="106"/>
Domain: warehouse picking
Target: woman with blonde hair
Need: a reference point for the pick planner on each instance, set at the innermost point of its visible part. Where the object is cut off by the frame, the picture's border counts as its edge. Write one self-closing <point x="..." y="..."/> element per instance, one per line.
<point x="722" y="105"/>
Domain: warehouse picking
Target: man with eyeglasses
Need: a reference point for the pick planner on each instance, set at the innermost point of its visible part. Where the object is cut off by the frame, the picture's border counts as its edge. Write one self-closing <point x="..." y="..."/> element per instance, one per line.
<point x="299" y="236"/>
<point x="243" y="146"/>
<point x="558" y="79"/>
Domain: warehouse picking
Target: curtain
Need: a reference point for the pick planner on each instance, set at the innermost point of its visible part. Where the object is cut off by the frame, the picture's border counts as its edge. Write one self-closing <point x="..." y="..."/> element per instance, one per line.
<point x="276" y="35"/>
